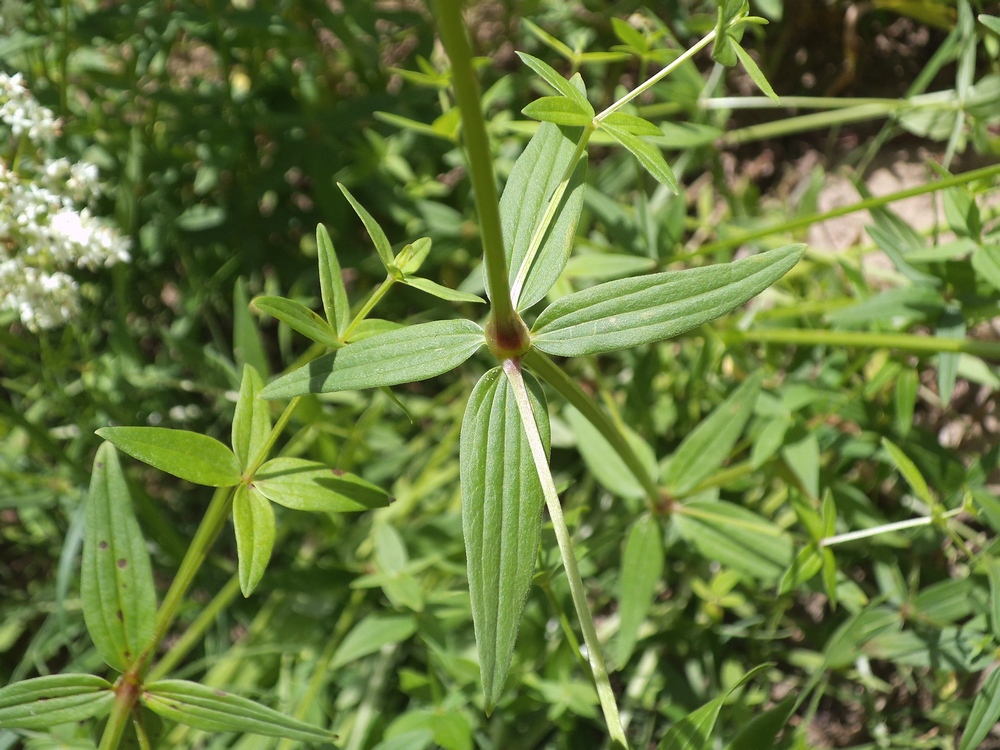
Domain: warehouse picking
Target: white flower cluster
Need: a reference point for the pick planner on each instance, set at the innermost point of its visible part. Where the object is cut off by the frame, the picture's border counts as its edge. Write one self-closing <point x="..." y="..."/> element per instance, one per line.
<point x="43" y="233"/>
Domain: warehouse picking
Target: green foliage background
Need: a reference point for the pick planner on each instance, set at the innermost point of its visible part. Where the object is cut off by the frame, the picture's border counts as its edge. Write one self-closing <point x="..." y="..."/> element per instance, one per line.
<point x="224" y="128"/>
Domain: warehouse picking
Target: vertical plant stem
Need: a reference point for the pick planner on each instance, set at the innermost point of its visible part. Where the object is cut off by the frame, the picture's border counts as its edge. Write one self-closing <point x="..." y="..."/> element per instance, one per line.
<point x="554" y="376"/>
<point x="451" y="27"/>
<point x="215" y="518"/>
<point x="195" y="631"/>
<point x="512" y="369"/>
<point x="369" y="305"/>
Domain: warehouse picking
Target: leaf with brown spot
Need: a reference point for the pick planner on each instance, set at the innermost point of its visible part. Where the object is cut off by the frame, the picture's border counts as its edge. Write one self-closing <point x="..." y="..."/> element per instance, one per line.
<point x="119" y="598"/>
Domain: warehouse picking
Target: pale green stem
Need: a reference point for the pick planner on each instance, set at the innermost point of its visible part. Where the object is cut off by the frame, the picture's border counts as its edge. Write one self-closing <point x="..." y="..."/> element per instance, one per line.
<point x="512" y="369"/>
<point x="369" y="305"/>
<point x="876" y="202"/>
<point x="638" y="90"/>
<point x="126" y="696"/>
<point x="907" y="342"/>
<point x="195" y="631"/>
<point x="451" y="28"/>
<point x="368" y="710"/>
<point x="887" y="528"/>
<point x="571" y="391"/>
<point x="272" y="437"/>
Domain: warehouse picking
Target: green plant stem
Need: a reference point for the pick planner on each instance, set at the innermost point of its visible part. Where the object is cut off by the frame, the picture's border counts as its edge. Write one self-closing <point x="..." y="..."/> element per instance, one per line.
<point x="195" y="631"/>
<point x="126" y="696"/>
<point x="554" y="376"/>
<point x="369" y="305"/>
<point x="885" y="528"/>
<point x="272" y="437"/>
<point x="512" y="369"/>
<point x="660" y="74"/>
<point x="875" y="202"/>
<point x="212" y="523"/>
<point x="907" y="342"/>
<point x="451" y="27"/>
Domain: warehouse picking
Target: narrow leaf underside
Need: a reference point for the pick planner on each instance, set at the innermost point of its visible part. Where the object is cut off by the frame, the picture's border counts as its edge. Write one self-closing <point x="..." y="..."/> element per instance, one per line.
<point x="404" y="355"/>
<point x="119" y="599"/>
<point x="533" y="180"/>
<point x="44" y="702"/>
<point x="501" y="517"/>
<point x="213" y="710"/>
<point x="630" y="312"/>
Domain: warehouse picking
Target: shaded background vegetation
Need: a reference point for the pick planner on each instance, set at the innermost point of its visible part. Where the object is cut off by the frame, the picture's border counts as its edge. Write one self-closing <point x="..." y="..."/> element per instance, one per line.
<point x="222" y="129"/>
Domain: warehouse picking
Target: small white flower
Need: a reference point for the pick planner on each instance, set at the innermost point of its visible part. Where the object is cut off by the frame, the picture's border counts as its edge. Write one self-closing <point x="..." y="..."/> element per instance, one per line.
<point x="44" y="230"/>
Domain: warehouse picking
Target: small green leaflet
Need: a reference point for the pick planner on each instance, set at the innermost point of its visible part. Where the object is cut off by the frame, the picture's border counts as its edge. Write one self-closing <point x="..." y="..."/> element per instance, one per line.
<point x="641" y="569"/>
<point x="382" y="245"/>
<point x="253" y="521"/>
<point x="116" y="587"/>
<point x="630" y="312"/>
<point x="694" y="731"/>
<point x="754" y="72"/>
<point x="909" y="471"/>
<point x="299" y="318"/>
<point x="647" y="154"/>
<point x="560" y="84"/>
<point x="44" y="702"/>
<point x="213" y="710"/>
<point x="252" y="421"/>
<point x="501" y="518"/>
<point x="736" y="537"/>
<point x="331" y="283"/>
<point x="706" y="448"/>
<point x="439" y="291"/>
<point x="197" y="458"/>
<point x="308" y="485"/>
<point x="404" y="355"/>
<point x="559" y="110"/>
<point x="371" y="634"/>
<point x="984" y="714"/>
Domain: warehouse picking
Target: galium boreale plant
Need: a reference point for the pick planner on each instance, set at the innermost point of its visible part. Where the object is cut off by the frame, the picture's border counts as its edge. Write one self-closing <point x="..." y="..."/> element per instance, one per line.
<point x="527" y="236"/>
<point x="119" y="595"/>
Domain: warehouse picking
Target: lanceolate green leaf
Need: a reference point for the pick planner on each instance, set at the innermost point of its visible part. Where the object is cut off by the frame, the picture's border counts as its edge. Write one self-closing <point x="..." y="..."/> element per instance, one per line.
<point x="382" y="245"/>
<point x="56" y="699"/>
<point x="116" y="587"/>
<point x="370" y="634"/>
<point x="307" y="485"/>
<point x="626" y="313"/>
<point x="213" y="710"/>
<point x="736" y="537"/>
<point x="985" y="713"/>
<point x="253" y="521"/>
<point x="754" y="72"/>
<point x="707" y="447"/>
<point x="556" y="81"/>
<point x="252" y="421"/>
<point x="647" y="154"/>
<point x="188" y="455"/>
<point x="405" y="355"/>
<point x="559" y="110"/>
<point x="331" y="283"/>
<point x="694" y="731"/>
<point x="642" y="566"/>
<point x="632" y="124"/>
<point x="439" y="291"/>
<point x="501" y="519"/>
<point x="534" y="179"/>
<point x="299" y="318"/>
<point x="909" y="471"/>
